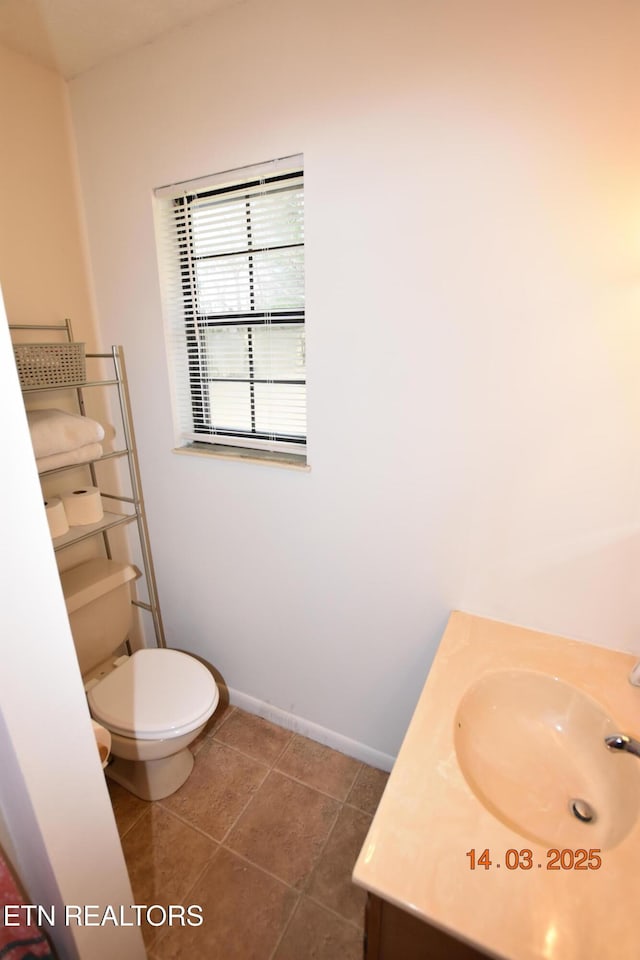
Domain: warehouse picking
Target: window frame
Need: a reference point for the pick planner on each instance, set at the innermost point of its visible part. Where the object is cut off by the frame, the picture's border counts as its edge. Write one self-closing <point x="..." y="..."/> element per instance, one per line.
<point x="196" y="323"/>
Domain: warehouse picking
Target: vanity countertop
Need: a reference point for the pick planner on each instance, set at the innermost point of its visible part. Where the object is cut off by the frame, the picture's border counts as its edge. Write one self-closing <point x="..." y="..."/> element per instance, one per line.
<point x="415" y="855"/>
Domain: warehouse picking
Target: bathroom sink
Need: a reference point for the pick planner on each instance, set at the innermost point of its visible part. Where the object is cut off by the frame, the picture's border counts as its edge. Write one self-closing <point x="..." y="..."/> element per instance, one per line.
<point x="531" y="748"/>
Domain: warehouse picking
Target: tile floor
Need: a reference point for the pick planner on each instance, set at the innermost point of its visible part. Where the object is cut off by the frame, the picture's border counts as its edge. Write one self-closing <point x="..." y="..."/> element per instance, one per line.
<point x="263" y="836"/>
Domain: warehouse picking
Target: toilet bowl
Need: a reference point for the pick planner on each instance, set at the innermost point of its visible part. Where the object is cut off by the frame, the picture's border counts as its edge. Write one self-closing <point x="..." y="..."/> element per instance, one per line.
<point x="154" y="703"/>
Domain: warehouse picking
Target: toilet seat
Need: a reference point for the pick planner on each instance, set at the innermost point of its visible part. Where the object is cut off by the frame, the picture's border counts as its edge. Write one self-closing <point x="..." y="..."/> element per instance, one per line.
<point x="155" y="695"/>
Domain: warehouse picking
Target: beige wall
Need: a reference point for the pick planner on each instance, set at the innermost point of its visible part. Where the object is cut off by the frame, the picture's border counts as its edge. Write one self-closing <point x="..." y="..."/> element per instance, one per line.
<point x="56" y="821"/>
<point x="43" y="268"/>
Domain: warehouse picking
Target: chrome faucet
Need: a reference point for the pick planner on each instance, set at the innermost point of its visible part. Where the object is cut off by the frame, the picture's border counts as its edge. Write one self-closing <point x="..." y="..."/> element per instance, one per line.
<point x="620" y="741"/>
<point x="634" y="676"/>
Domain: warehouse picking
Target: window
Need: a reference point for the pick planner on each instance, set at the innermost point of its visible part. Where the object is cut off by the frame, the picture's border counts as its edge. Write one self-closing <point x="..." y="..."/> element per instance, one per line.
<point x="232" y="264"/>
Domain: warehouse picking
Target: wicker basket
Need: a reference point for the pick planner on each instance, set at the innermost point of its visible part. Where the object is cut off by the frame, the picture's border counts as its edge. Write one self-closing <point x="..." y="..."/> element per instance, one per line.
<point x="50" y="364"/>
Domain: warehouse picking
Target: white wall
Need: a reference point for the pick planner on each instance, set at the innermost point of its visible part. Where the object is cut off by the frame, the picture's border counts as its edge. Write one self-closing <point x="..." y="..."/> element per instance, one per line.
<point x="473" y="266"/>
<point x="54" y="806"/>
<point x="56" y="822"/>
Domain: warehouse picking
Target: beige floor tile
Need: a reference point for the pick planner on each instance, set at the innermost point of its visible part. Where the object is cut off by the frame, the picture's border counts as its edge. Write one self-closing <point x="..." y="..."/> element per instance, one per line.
<point x="244" y="911"/>
<point x="330" y="882"/>
<point x="164" y="858"/>
<point x="221" y="784"/>
<point x="319" y="766"/>
<point x="127" y="809"/>
<point x="221" y="715"/>
<point x="316" y="934"/>
<point x="254" y="736"/>
<point x="368" y="789"/>
<point x="284" y="828"/>
<point x="287" y="823"/>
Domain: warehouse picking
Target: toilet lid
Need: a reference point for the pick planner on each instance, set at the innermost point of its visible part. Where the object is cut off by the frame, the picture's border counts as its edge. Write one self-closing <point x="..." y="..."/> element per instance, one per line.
<point x="155" y="694"/>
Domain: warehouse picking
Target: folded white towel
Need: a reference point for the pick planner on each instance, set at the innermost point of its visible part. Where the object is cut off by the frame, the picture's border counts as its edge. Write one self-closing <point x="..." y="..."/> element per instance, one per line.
<point x="90" y="451"/>
<point x="54" y="431"/>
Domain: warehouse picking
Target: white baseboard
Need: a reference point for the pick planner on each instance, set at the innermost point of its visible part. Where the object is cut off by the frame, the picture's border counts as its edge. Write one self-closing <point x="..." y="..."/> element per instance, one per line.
<point x="353" y="748"/>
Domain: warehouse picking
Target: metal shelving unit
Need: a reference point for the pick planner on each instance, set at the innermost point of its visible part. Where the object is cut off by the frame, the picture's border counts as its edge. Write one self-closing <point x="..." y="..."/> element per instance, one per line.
<point x="133" y="505"/>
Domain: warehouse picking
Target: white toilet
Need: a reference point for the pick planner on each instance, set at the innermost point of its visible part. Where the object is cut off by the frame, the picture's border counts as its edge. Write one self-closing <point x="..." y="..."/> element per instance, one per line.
<point x="154" y="702"/>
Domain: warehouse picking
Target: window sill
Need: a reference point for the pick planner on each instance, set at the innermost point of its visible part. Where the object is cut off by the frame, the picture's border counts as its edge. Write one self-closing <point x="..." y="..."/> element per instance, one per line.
<point x="270" y="458"/>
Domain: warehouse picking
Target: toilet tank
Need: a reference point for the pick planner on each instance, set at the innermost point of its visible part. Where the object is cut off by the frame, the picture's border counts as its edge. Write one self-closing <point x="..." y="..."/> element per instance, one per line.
<point x="98" y="601"/>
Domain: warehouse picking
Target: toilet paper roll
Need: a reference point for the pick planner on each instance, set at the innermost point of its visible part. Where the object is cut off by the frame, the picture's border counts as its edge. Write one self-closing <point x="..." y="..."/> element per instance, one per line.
<point x="56" y="516"/>
<point x="103" y="742"/>
<point x="82" y="506"/>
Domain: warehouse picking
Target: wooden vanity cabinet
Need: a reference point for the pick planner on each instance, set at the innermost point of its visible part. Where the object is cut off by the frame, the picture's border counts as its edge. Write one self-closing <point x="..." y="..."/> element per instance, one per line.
<point x="394" y="934"/>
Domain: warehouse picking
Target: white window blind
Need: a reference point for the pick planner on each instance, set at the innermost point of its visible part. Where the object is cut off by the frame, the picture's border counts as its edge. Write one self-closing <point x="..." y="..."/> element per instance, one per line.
<point x="232" y="266"/>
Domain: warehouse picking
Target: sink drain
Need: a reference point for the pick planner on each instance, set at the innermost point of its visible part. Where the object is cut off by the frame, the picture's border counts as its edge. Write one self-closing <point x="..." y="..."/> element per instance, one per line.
<point x="582" y="810"/>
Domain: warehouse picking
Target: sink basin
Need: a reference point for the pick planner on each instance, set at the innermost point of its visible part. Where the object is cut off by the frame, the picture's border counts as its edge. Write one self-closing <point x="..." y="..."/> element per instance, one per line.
<point x="529" y="745"/>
